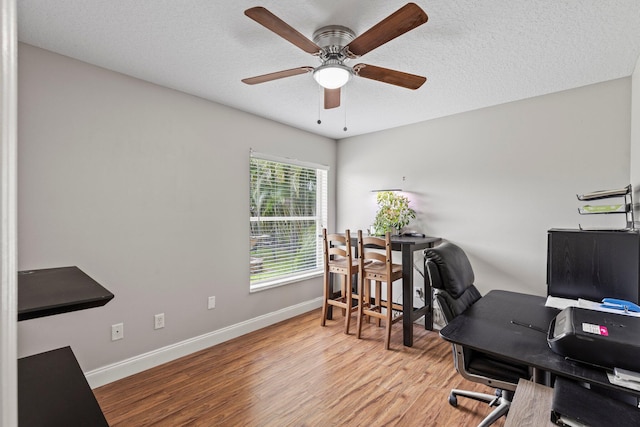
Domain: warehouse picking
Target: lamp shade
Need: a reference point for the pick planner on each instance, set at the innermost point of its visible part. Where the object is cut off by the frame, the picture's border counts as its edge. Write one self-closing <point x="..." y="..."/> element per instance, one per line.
<point x="332" y="76"/>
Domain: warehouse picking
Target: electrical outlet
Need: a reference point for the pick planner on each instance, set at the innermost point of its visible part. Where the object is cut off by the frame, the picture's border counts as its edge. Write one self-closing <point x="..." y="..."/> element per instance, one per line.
<point x="212" y="303"/>
<point x="117" y="331"/>
<point x="158" y="321"/>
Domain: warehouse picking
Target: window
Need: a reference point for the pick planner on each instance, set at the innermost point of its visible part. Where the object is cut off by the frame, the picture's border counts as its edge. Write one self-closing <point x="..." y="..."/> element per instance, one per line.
<point x="288" y="209"/>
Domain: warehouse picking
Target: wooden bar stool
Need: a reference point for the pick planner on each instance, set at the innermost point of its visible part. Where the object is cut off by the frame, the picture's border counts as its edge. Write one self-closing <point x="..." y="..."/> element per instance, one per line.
<point x="338" y="260"/>
<point x="377" y="267"/>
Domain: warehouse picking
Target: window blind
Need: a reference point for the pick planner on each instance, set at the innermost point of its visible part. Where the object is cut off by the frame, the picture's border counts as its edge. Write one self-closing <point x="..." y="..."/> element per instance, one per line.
<point x="288" y="208"/>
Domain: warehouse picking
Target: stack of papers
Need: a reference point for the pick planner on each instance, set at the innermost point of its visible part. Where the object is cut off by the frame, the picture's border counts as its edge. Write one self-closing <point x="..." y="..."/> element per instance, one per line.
<point x="602" y="194"/>
<point x="595" y="209"/>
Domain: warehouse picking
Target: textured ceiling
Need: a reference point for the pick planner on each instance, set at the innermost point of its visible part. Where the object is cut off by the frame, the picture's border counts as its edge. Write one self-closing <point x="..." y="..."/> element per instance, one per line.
<point x="474" y="53"/>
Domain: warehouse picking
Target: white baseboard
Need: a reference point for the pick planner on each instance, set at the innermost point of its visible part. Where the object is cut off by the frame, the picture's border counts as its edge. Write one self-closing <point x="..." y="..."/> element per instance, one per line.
<point x="142" y="362"/>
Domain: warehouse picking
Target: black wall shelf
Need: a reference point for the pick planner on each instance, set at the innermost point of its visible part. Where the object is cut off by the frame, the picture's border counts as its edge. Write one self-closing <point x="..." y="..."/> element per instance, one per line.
<point x="57" y="290"/>
<point x="52" y="389"/>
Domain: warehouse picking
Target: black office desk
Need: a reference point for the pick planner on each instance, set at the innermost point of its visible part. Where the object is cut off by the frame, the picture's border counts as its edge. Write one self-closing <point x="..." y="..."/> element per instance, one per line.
<point x="487" y="326"/>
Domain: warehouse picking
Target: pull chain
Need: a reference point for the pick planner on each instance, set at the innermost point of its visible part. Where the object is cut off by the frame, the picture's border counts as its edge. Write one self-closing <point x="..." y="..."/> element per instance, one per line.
<point x="320" y="95"/>
<point x="344" y="106"/>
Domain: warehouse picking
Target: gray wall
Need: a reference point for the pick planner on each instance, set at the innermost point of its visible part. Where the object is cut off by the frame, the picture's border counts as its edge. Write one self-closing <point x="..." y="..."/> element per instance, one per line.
<point x="495" y="180"/>
<point x="146" y="190"/>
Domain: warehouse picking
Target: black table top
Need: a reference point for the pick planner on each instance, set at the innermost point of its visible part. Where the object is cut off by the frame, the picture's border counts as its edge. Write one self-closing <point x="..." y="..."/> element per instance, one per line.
<point x="514" y="326"/>
<point x="417" y="241"/>
<point x="53" y="391"/>
<point x="398" y="241"/>
<point x="57" y="290"/>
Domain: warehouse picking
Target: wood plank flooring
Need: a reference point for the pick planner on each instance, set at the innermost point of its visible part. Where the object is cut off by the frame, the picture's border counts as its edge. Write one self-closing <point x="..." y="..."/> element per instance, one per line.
<point x="297" y="373"/>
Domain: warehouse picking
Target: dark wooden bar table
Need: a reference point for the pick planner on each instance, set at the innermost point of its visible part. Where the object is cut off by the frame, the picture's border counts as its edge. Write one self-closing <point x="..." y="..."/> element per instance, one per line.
<point x="408" y="245"/>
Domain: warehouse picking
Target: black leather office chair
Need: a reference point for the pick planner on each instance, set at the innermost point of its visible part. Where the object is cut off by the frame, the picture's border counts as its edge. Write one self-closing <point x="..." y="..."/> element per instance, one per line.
<point x="449" y="271"/>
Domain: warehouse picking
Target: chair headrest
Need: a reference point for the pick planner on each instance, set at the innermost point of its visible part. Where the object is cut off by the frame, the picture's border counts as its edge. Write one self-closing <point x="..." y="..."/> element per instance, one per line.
<point x="453" y="268"/>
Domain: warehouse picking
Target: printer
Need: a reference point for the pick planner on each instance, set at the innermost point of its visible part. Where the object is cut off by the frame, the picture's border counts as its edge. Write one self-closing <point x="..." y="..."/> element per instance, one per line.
<point x="601" y="338"/>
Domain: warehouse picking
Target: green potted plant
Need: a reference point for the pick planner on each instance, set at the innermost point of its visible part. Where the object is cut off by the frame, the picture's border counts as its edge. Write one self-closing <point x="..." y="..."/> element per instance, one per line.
<point x="393" y="213"/>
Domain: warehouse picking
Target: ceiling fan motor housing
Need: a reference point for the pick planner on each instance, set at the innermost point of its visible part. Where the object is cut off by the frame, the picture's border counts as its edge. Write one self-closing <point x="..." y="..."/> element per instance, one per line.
<point x="333" y="39"/>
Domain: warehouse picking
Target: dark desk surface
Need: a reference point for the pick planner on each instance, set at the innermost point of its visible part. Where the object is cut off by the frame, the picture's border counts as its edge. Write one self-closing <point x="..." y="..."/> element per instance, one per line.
<point x="53" y="391"/>
<point x="57" y="290"/>
<point x="487" y="326"/>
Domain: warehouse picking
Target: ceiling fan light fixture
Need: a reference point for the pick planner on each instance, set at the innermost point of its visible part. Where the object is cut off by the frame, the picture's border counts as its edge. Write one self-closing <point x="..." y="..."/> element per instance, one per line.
<point x="332" y="76"/>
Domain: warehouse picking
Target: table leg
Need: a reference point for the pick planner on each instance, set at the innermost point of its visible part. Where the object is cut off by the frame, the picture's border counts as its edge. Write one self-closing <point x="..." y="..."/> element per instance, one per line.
<point x="408" y="313"/>
<point x="407" y="295"/>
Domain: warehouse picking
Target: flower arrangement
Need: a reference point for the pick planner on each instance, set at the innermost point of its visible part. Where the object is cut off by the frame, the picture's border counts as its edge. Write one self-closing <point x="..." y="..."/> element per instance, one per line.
<point x="393" y="213"/>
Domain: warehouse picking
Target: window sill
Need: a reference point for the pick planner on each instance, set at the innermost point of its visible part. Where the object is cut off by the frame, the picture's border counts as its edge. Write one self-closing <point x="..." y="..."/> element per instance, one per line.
<point x="285" y="281"/>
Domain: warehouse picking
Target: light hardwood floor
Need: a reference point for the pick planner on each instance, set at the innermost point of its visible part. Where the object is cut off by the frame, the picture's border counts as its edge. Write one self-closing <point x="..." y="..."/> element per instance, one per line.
<point x="297" y="373"/>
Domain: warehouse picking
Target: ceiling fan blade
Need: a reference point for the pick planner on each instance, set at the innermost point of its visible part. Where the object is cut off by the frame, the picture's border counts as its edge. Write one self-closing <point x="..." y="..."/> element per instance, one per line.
<point x="402" y="20"/>
<point x="277" y="75"/>
<point x="331" y="98"/>
<point x="270" y="21"/>
<point x="385" y="75"/>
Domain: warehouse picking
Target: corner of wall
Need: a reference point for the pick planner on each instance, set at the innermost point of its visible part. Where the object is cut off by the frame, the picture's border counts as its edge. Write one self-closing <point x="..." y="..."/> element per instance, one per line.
<point x="634" y="142"/>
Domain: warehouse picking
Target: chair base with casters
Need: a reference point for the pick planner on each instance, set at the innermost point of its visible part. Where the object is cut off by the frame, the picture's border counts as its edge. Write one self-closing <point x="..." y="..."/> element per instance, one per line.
<point x="501" y="400"/>
<point x="503" y="382"/>
<point x="450" y="274"/>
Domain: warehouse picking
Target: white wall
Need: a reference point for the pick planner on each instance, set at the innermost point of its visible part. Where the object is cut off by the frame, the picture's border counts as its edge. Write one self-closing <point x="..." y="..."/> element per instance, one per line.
<point x="495" y="180"/>
<point x="145" y="189"/>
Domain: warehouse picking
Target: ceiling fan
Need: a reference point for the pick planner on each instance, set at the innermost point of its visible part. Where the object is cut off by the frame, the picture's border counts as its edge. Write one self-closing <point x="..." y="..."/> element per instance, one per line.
<point x="334" y="45"/>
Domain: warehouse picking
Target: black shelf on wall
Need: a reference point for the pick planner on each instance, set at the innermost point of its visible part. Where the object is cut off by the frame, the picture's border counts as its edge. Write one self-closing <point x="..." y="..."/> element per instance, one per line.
<point x="57" y="290"/>
<point x="52" y="389"/>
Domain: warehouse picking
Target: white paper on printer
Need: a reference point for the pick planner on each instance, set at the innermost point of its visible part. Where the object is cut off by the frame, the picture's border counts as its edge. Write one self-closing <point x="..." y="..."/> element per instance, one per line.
<point x="560" y="303"/>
